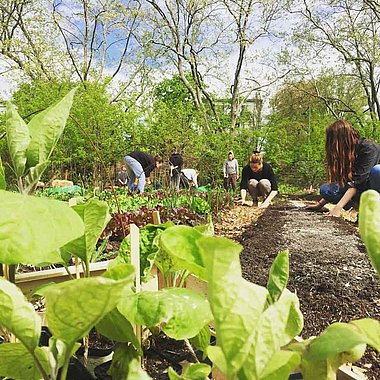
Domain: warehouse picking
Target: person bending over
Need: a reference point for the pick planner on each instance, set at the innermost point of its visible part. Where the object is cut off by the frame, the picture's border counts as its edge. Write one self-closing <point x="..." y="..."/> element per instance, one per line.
<point x="139" y="165"/>
<point x="258" y="179"/>
<point x="191" y="176"/>
<point x="353" y="166"/>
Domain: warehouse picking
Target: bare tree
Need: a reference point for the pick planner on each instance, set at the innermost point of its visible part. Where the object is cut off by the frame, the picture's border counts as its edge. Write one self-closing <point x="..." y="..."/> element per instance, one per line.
<point x="189" y="32"/>
<point x="99" y="36"/>
<point x="251" y="20"/>
<point x="24" y="38"/>
<point x="349" y="30"/>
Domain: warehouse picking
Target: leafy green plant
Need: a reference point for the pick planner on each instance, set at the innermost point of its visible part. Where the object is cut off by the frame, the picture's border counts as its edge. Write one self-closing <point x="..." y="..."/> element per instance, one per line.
<point x="251" y="322"/>
<point x="31" y="145"/>
<point x="148" y="248"/>
<point x="72" y="309"/>
<point x="24" y="222"/>
<point x="95" y="216"/>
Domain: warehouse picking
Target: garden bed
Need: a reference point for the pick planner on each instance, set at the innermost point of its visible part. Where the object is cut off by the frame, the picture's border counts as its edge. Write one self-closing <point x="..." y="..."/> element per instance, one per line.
<point x="329" y="267"/>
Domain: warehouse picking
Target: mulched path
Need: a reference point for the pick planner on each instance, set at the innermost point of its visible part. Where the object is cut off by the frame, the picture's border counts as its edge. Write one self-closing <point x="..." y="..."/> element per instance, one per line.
<point x="329" y="267"/>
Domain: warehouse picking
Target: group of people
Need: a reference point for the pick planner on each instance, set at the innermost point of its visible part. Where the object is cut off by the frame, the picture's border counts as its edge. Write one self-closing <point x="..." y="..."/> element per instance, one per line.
<point x="353" y="166"/>
<point x="138" y="166"/>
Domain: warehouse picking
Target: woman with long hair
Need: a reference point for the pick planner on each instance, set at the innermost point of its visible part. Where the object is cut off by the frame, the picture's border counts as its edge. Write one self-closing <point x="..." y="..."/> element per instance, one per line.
<point x="353" y="166"/>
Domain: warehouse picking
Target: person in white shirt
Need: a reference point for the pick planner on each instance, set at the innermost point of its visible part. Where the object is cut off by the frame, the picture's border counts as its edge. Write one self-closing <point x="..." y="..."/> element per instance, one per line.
<point x="191" y="175"/>
<point x="230" y="171"/>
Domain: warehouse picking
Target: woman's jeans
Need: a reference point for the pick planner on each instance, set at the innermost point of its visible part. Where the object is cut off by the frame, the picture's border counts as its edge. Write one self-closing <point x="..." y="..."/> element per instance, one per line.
<point x="135" y="171"/>
<point x="333" y="193"/>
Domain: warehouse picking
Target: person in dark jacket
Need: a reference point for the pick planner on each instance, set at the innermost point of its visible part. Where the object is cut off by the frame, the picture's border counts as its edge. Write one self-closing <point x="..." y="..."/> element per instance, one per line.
<point x="353" y="166"/>
<point x="139" y="166"/>
<point x="258" y="179"/>
<point x="176" y="163"/>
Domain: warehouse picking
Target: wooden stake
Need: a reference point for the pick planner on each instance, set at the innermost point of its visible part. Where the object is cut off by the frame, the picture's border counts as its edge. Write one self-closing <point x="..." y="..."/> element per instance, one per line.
<point x="156" y="217"/>
<point x="160" y="277"/>
<point x="73" y="202"/>
<point x="135" y="253"/>
<point x="135" y="260"/>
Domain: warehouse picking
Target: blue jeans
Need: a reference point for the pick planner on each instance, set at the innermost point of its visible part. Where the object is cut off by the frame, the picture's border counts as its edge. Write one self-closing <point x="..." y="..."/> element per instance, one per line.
<point x="333" y="193"/>
<point x="135" y="171"/>
<point x="374" y="178"/>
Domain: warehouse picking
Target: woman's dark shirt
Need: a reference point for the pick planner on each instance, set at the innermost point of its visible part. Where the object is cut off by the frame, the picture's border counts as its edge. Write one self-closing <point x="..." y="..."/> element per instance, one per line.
<point x="367" y="156"/>
<point x="265" y="173"/>
<point x="176" y="160"/>
<point x="146" y="160"/>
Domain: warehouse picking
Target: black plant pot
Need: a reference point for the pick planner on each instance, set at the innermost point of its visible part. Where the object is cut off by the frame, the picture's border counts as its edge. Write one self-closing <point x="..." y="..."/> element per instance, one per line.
<point x="100" y="371"/>
<point x="296" y="376"/>
<point x="95" y="352"/>
<point x="45" y="336"/>
<point x="77" y="371"/>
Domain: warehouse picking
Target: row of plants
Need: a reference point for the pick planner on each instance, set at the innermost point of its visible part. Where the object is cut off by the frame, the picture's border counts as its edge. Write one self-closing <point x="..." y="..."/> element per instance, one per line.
<point x="120" y="199"/>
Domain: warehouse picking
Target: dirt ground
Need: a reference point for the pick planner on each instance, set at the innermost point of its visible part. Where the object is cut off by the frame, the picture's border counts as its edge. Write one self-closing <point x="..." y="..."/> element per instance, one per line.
<point x="329" y="267"/>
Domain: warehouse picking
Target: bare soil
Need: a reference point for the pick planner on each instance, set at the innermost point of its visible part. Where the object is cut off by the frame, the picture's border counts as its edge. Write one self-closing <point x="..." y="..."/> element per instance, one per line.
<point x="329" y="267"/>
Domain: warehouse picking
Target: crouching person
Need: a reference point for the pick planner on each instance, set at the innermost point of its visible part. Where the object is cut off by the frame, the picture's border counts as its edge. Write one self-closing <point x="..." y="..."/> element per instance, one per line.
<point x="353" y="166"/>
<point x="259" y="180"/>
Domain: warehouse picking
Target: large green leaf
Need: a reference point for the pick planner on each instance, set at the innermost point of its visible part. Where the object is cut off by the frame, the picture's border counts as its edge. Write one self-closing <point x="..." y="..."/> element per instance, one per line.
<point x="46" y="128"/>
<point x="32" y="229"/>
<point x="369" y="225"/>
<point x="179" y="242"/>
<point x="3" y="183"/>
<point x="336" y="339"/>
<point x="95" y="216"/>
<point x="116" y="327"/>
<point x="18" y="316"/>
<point x="236" y="304"/>
<point x="276" y="327"/>
<point x="278" y="276"/>
<point x="74" y="307"/>
<point x="281" y="365"/>
<point x="18" y="139"/>
<point x="370" y="328"/>
<point x="184" y="311"/>
<point x="17" y="362"/>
